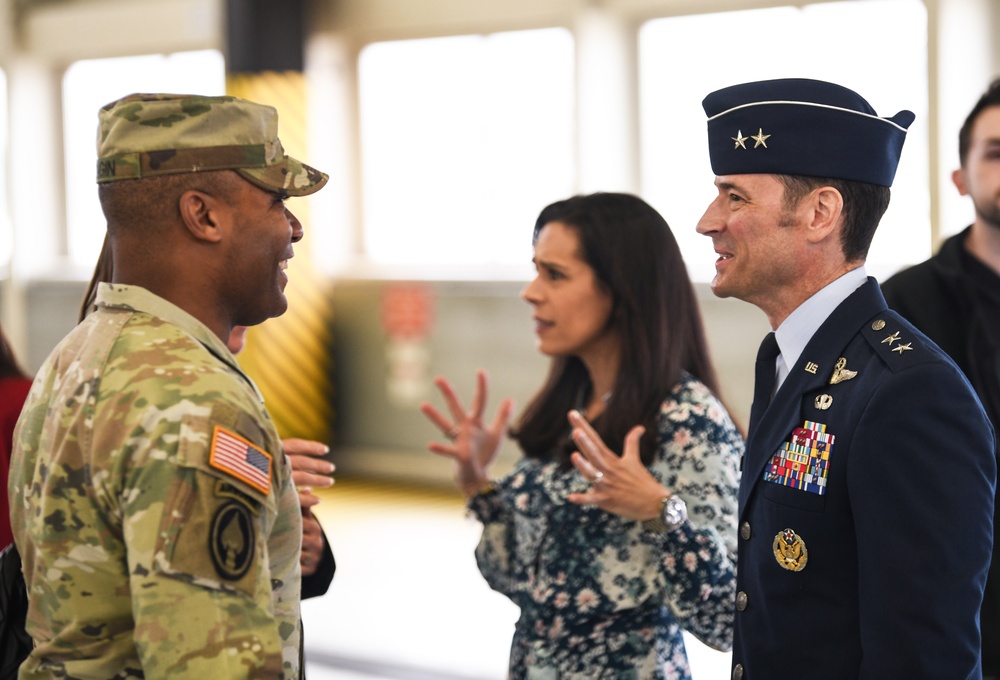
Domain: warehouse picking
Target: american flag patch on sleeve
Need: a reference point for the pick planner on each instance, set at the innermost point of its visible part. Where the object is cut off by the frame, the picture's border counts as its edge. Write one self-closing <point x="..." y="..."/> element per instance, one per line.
<point x="237" y="457"/>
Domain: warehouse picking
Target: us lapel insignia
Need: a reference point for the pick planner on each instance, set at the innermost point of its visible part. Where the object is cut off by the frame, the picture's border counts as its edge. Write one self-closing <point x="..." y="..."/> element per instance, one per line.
<point x="790" y="550"/>
<point x="841" y="372"/>
<point x="824" y="401"/>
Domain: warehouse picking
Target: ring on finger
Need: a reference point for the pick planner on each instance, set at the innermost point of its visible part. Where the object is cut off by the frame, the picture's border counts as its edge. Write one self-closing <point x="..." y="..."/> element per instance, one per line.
<point x="598" y="476"/>
<point x="453" y="432"/>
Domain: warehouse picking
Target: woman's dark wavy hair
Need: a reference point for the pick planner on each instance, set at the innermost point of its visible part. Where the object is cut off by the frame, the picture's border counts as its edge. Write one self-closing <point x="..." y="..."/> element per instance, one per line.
<point x="635" y="258"/>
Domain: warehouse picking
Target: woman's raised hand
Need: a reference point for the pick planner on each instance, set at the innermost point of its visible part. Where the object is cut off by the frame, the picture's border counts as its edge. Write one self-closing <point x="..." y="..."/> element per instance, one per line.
<point x="621" y="485"/>
<point x="474" y="445"/>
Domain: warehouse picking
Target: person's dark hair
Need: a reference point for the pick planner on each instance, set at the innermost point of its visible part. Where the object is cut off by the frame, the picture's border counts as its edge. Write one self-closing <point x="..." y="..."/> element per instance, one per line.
<point x="102" y="274"/>
<point x="140" y="205"/>
<point x="864" y="205"/>
<point x="635" y="258"/>
<point x="990" y="98"/>
<point x="9" y="368"/>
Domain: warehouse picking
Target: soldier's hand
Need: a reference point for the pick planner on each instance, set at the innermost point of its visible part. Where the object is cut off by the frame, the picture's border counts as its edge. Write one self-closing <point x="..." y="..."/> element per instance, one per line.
<point x="312" y="544"/>
<point x="309" y="470"/>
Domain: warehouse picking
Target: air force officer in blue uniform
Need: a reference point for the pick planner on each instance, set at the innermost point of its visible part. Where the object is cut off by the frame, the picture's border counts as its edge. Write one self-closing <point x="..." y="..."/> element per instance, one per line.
<point x="866" y="501"/>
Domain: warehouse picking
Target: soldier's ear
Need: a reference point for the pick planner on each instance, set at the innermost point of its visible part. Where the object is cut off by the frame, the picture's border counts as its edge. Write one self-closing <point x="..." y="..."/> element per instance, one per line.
<point x="958" y="179"/>
<point x="202" y="214"/>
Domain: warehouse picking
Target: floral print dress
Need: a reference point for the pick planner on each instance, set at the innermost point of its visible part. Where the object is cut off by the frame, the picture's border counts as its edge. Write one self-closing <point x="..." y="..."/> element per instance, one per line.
<point x="599" y="596"/>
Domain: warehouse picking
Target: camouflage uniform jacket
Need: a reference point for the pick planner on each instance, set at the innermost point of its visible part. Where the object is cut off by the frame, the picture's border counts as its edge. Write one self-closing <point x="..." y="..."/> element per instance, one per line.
<point x="153" y="506"/>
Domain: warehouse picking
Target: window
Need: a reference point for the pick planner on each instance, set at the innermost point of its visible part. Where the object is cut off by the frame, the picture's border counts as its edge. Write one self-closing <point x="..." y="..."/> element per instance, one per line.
<point x="463" y="141"/>
<point x="89" y="85"/>
<point x="682" y="59"/>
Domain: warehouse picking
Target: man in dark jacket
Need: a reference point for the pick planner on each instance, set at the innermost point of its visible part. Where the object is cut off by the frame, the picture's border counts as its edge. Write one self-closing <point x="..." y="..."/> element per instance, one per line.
<point x="866" y="502"/>
<point x="954" y="297"/>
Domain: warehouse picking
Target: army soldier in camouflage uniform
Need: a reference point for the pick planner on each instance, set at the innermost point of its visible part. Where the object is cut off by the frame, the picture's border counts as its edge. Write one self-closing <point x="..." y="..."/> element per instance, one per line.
<point x="151" y="501"/>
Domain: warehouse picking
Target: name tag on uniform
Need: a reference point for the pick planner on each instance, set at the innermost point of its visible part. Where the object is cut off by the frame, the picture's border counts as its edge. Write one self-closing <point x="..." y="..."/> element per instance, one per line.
<point x="804" y="460"/>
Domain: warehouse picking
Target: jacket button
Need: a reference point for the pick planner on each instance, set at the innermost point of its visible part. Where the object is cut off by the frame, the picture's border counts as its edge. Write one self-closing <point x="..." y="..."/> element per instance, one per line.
<point x="745" y="531"/>
<point x="738" y="672"/>
<point x="741" y="601"/>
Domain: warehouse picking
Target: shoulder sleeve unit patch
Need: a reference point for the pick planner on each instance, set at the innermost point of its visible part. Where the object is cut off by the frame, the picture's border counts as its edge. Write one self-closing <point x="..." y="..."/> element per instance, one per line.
<point x="237" y="457"/>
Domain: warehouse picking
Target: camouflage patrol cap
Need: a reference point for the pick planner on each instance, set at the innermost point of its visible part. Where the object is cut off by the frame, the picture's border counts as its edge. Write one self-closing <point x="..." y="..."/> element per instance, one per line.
<point x="146" y="135"/>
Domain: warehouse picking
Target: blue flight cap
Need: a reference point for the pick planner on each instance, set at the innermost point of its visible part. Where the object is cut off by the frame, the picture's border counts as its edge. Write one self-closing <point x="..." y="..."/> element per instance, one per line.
<point x="796" y="126"/>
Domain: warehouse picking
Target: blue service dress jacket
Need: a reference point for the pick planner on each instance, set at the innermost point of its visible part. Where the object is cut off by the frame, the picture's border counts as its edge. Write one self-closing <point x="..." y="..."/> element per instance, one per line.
<point x="866" y="510"/>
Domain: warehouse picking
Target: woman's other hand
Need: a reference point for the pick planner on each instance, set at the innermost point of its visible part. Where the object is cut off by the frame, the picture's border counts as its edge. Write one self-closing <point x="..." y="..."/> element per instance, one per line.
<point x="621" y="485"/>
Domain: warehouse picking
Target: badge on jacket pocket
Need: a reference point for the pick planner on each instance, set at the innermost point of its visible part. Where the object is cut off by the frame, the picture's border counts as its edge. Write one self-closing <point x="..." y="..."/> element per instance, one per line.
<point x="790" y="550"/>
<point x="804" y="460"/>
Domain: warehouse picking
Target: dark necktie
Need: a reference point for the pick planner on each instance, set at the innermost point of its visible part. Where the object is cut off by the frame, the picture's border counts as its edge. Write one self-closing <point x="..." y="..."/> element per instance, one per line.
<point x="764" y="373"/>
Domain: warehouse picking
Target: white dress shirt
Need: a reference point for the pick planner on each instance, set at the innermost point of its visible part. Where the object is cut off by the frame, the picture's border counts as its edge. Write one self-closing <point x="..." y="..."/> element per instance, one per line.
<point x="795" y="332"/>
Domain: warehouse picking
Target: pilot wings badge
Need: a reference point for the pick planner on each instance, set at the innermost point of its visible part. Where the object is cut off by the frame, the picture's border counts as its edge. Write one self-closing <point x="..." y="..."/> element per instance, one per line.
<point x="841" y="372"/>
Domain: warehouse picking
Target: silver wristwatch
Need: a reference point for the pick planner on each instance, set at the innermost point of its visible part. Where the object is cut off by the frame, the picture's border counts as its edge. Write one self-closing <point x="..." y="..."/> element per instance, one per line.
<point x="673" y="513"/>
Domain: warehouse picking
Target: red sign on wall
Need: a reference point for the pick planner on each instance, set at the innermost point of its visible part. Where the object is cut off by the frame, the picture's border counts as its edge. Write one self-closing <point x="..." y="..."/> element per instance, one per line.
<point x="407" y="310"/>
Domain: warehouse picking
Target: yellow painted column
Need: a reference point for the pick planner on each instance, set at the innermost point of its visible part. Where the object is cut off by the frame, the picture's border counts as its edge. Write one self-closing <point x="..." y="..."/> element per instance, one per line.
<point x="289" y="356"/>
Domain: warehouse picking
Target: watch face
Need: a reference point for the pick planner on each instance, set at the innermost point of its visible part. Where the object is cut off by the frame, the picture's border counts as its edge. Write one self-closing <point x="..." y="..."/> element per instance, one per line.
<point x="674" y="512"/>
<point x="673" y="515"/>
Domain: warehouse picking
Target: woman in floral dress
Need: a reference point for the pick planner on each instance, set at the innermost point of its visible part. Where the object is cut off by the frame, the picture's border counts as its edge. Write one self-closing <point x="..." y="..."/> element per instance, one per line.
<point x="608" y="556"/>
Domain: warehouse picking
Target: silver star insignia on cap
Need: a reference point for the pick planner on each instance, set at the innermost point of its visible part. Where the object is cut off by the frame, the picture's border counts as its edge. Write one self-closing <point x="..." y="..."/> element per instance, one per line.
<point x="759" y="138"/>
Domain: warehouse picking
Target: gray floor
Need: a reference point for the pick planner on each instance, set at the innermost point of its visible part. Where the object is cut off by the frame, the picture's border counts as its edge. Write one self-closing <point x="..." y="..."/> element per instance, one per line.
<point x="408" y="602"/>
